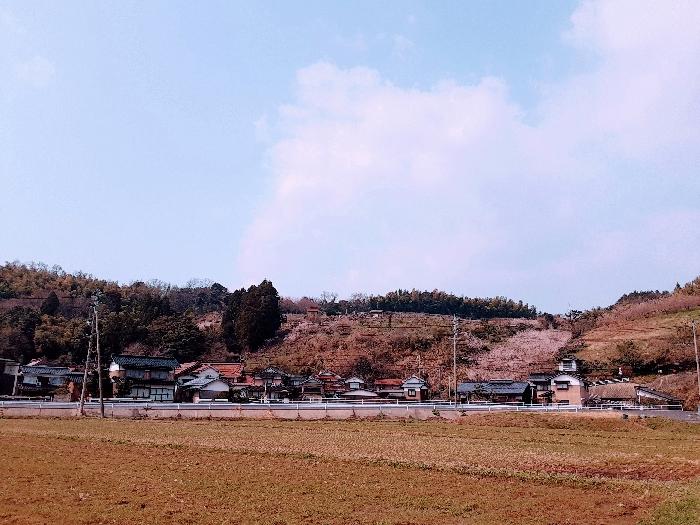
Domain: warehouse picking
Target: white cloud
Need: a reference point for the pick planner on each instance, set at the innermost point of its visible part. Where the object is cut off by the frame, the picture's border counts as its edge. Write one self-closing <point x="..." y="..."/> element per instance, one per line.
<point x="378" y="186"/>
<point x="37" y="72"/>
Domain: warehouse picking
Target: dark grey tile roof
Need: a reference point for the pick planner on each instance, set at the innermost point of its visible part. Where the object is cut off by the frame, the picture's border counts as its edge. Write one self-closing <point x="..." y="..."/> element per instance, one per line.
<point x="199" y="382"/>
<point x="43" y="370"/>
<point x="662" y="395"/>
<point x="140" y="361"/>
<point x="494" y="387"/>
<point x="76" y="377"/>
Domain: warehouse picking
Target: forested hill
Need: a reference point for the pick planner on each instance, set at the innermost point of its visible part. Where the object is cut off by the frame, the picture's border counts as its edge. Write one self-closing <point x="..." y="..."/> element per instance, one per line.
<point x="43" y="311"/>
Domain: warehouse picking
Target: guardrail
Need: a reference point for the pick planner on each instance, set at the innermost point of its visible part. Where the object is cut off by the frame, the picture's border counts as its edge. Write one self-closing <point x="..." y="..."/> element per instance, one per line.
<point x="312" y="409"/>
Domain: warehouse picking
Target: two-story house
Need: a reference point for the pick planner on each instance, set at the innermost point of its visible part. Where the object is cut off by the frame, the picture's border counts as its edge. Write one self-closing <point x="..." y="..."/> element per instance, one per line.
<point x="143" y="377"/>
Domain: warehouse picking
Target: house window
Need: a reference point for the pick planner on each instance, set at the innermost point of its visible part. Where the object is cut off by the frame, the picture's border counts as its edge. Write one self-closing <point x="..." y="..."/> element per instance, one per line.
<point x="159" y="374"/>
<point x="411" y="392"/>
<point x="562" y="385"/>
<point x="135" y="374"/>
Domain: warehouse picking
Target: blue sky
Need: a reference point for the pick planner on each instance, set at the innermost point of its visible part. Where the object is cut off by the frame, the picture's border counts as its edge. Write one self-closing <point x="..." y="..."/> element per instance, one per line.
<point x="547" y="151"/>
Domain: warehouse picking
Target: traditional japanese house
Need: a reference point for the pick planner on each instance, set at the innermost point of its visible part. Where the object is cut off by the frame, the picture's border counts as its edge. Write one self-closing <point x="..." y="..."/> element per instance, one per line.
<point x="415" y="389"/>
<point x="311" y="389"/>
<point x="359" y="394"/>
<point x="333" y="384"/>
<point x="143" y="377"/>
<point x="42" y="380"/>
<point x="627" y="393"/>
<point x="354" y="383"/>
<point x="389" y="388"/>
<point x="496" y="391"/>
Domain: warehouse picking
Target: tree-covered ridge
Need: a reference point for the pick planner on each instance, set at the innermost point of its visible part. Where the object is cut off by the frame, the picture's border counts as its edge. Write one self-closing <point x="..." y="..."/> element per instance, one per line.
<point x="43" y="311"/>
<point x="417" y="301"/>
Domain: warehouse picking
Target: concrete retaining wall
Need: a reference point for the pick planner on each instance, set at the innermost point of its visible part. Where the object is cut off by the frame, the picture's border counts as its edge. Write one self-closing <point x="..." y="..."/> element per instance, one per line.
<point x="256" y="411"/>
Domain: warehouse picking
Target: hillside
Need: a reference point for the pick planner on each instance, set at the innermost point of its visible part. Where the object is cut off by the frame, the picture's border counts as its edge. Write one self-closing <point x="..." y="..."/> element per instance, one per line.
<point x="401" y="344"/>
<point x="651" y="337"/>
<point x="646" y="332"/>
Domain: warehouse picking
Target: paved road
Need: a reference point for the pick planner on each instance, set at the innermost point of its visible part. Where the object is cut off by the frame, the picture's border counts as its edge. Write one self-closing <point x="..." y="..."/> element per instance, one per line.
<point x="678" y="415"/>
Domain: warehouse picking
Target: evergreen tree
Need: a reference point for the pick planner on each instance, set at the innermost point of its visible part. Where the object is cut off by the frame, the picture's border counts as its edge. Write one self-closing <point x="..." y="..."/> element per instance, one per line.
<point x="50" y="305"/>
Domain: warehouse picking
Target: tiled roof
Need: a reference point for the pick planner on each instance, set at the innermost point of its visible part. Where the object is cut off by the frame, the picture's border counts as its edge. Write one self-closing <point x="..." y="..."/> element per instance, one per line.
<point x="199" y="382"/>
<point x="622" y="390"/>
<point x="656" y="393"/>
<point x="76" y="377"/>
<point x="272" y="371"/>
<point x="413" y="381"/>
<point x="389" y="382"/>
<point x="141" y="361"/>
<point x="227" y="370"/>
<point x="44" y="370"/>
<point x="494" y="387"/>
<point x="186" y="367"/>
<point x="360" y="393"/>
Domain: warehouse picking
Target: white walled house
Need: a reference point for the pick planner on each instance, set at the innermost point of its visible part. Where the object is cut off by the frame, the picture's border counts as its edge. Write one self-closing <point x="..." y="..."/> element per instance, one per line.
<point x="143" y="377"/>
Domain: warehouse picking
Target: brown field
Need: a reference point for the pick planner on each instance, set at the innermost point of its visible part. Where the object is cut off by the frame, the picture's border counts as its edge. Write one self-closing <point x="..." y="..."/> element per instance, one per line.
<point x="505" y="468"/>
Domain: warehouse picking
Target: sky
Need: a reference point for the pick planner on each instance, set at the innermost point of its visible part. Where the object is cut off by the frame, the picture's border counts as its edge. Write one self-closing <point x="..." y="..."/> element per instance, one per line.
<point x="543" y="151"/>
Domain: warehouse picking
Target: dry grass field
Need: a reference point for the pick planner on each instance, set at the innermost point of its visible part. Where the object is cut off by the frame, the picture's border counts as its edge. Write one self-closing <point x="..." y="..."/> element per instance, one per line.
<point x="505" y="468"/>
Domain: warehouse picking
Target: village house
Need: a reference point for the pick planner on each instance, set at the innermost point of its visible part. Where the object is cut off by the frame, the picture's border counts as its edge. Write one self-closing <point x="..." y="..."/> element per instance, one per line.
<point x="185" y="372"/>
<point x="74" y="385"/>
<point x="542" y="386"/>
<point x="569" y="389"/>
<point x="354" y="383"/>
<point x="415" y="389"/>
<point x="564" y="386"/>
<point x="42" y="380"/>
<point x="206" y="381"/>
<point x="269" y="377"/>
<point x="142" y="377"/>
<point x="626" y="393"/>
<point x="204" y="388"/>
<point x="9" y="377"/>
<point x="270" y="384"/>
<point x="311" y="389"/>
<point x="359" y="394"/>
<point x="496" y="391"/>
<point x="333" y="384"/>
<point x="389" y="388"/>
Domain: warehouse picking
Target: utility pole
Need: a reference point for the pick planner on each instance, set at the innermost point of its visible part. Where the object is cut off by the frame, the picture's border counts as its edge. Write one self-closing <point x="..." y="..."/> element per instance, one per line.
<point x="87" y="362"/>
<point x="697" y="359"/>
<point x="454" y="354"/>
<point x="99" y="360"/>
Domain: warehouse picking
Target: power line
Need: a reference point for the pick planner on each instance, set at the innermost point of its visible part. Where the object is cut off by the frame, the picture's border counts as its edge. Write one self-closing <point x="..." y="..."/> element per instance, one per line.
<point x="87" y="361"/>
